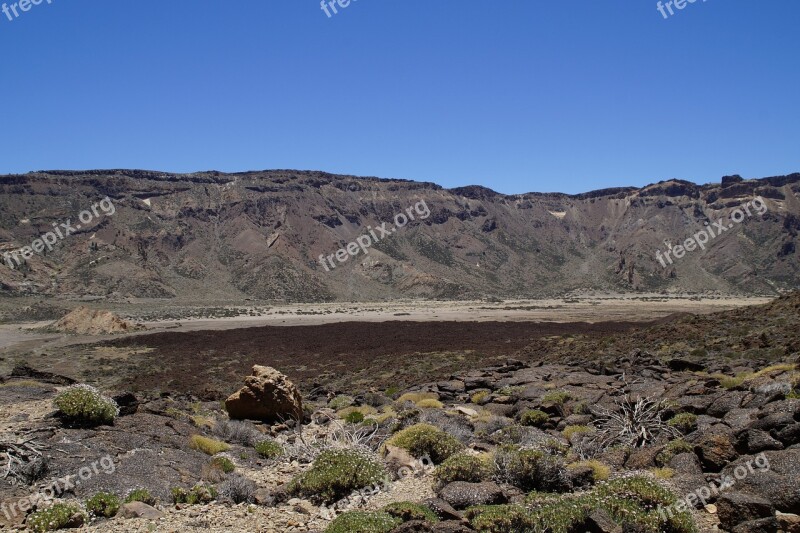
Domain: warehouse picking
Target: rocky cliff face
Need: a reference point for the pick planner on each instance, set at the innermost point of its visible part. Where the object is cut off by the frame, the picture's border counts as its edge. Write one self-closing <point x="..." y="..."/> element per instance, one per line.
<point x="260" y="234"/>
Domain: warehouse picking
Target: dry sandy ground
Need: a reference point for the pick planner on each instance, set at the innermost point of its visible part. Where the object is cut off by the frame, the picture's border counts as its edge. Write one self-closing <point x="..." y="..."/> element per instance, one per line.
<point x="592" y="310"/>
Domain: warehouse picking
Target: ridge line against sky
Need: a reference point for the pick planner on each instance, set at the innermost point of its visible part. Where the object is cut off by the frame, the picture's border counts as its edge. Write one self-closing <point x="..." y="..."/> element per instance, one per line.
<point x="515" y="96"/>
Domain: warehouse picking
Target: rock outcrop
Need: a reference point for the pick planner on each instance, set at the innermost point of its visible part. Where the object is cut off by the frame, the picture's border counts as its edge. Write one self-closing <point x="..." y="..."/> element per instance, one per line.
<point x="267" y="395"/>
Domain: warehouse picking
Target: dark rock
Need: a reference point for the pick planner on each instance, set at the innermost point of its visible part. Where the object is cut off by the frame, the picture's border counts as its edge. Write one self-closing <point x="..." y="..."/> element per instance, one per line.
<point x="139" y="510"/>
<point x="686" y="463"/>
<point x="453" y="386"/>
<point x="643" y="458"/>
<point x="735" y="507"/>
<point x="500" y="409"/>
<point x="443" y="510"/>
<point x="414" y="526"/>
<point x="725" y="403"/>
<point x="771" y="475"/>
<point x="581" y="476"/>
<point x="789" y="435"/>
<point x="681" y="365"/>
<point x="775" y="421"/>
<point x="716" y="449"/>
<point x="756" y="440"/>
<point x="452" y="526"/>
<point x="263" y="497"/>
<point x="789" y="523"/>
<point x="600" y="522"/>
<point x="26" y="372"/>
<point x="128" y="403"/>
<point x="461" y="494"/>
<point x="764" y="525"/>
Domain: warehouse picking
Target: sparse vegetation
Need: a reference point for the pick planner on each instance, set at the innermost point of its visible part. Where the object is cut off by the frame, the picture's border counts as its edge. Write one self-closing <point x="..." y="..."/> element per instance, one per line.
<point x="684" y="422"/>
<point x="424" y="439"/>
<point x="672" y="449"/>
<point x="341" y="401"/>
<point x="269" y="449"/>
<point x="140" y="495"/>
<point x="207" y="446"/>
<point x="363" y="522"/>
<point x="354" y="417"/>
<point x="103" y="504"/>
<point x="58" y="516"/>
<point x="534" y="417"/>
<point x="407" y="511"/>
<point x="530" y="469"/>
<point x="224" y="464"/>
<point x="430" y="403"/>
<point x="462" y="467"/>
<point x="336" y="473"/>
<point x="196" y="495"/>
<point x="600" y="470"/>
<point x="86" y="406"/>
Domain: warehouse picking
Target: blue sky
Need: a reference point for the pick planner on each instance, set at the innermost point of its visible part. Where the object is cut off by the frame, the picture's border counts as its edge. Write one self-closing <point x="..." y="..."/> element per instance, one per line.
<point x="516" y="95"/>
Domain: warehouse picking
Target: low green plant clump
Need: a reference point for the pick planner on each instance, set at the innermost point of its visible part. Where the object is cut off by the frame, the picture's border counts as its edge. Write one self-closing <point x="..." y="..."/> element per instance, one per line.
<point x="363" y="522"/>
<point x="684" y="422"/>
<point x="570" y="432"/>
<point x="534" y="417"/>
<point x="530" y="469"/>
<point x="354" y="417"/>
<point x="430" y="403"/>
<point x="140" y="495"/>
<point x="336" y="474"/>
<point x="600" y="470"/>
<point x="103" y="504"/>
<point x="208" y="446"/>
<point x="58" y="516"/>
<point x="85" y="405"/>
<point x="424" y="439"/>
<point x="341" y="401"/>
<point x="462" y="467"/>
<point x="480" y="397"/>
<point x="269" y="449"/>
<point x="673" y="448"/>
<point x="194" y="496"/>
<point x="224" y="464"/>
<point x="559" y="397"/>
<point x="407" y="511"/>
<point x="632" y="503"/>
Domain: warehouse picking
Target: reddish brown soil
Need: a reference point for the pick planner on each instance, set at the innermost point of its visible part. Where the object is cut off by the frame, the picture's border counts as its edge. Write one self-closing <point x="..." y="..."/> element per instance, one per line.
<point x="348" y="356"/>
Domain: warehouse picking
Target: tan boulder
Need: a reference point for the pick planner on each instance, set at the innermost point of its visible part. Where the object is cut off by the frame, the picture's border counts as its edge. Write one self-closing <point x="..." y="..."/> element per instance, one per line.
<point x="267" y="395"/>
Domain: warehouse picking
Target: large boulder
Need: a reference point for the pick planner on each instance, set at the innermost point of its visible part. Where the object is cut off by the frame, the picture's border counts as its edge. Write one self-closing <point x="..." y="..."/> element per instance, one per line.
<point x="267" y="395"/>
<point x="736" y="507"/>
<point x="461" y="494"/>
<point x="772" y="475"/>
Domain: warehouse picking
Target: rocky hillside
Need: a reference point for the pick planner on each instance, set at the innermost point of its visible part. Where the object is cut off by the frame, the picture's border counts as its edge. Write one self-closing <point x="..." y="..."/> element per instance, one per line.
<point x="259" y="235"/>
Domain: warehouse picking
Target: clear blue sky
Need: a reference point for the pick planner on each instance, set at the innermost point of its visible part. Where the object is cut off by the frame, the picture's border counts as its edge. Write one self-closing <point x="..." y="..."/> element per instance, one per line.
<point x="516" y="95"/>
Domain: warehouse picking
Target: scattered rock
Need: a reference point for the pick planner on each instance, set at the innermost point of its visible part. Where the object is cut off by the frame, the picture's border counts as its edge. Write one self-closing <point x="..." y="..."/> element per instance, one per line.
<point x="85" y="321"/>
<point x="267" y="395"/>
<point x="461" y="494"/>
<point x="140" y="510"/>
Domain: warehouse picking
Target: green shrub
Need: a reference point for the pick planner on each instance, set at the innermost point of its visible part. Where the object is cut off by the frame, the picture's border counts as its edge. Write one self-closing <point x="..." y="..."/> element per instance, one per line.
<point x="462" y="467"/>
<point x="140" y="495"/>
<point x="337" y="473"/>
<point x="363" y="522"/>
<point x="559" y="397"/>
<point x="424" y="439"/>
<point x="407" y="511"/>
<point x="269" y="449"/>
<point x="684" y="422"/>
<point x="341" y="401"/>
<point x="430" y="403"/>
<point x="600" y="471"/>
<point x="530" y="469"/>
<point x="632" y="503"/>
<point x="570" y="432"/>
<point x="534" y="417"/>
<point x="354" y="417"/>
<point x="207" y="446"/>
<point x="84" y="405"/>
<point x="480" y="397"/>
<point x="103" y="504"/>
<point x="673" y="448"/>
<point x="224" y="464"/>
<point x="59" y="516"/>
<point x="194" y="496"/>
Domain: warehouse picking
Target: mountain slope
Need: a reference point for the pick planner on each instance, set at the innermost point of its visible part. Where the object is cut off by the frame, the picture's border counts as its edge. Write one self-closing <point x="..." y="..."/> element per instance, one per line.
<point x="259" y="235"/>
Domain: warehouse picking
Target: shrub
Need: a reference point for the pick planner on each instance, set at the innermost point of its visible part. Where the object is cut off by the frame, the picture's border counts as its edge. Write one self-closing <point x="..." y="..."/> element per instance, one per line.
<point x="530" y="469"/>
<point x="58" y="516"/>
<point x="663" y="473"/>
<point x="364" y="410"/>
<point x="462" y="467"/>
<point x="238" y="432"/>
<point x="336" y="473"/>
<point x="354" y="417"/>
<point x="672" y="449"/>
<point x="140" y="495"/>
<point x="84" y="405"/>
<point x="207" y="446"/>
<point x="224" y="464"/>
<point x="633" y="422"/>
<point x="407" y="511"/>
<point x="534" y="417"/>
<point x="340" y="402"/>
<point x="600" y="471"/>
<point x="363" y="522"/>
<point x="416" y="397"/>
<point x="559" y="397"/>
<point x="430" y="403"/>
<point x="103" y="504"/>
<point x="196" y="495"/>
<point x="501" y="518"/>
<point x="238" y="489"/>
<point x="684" y="422"/>
<point x="423" y="439"/>
<point x="269" y="448"/>
<point x="480" y="397"/>
<point x="571" y="432"/>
